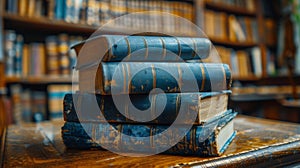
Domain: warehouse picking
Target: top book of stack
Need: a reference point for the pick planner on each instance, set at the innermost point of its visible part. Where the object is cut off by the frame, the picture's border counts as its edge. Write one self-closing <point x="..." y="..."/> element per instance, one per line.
<point x="116" y="48"/>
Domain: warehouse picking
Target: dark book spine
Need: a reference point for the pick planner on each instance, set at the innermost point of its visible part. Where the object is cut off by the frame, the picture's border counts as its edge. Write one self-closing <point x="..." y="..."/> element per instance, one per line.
<point x="199" y="140"/>
<point x="19" y="55"/>
<point x="53" y="62"/>
<point x="142" y="77"/>
<point x="60" y="9"/>
<point x="63" y="54"/>
<point x="10" y="37"/>
<point x="79" y="107"/>
<point x="151" y="48"/>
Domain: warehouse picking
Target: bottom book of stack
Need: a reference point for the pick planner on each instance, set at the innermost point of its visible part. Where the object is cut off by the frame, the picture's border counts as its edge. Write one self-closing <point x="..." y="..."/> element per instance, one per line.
<point x="207" y="138"/>
<point x="210" y="139"/>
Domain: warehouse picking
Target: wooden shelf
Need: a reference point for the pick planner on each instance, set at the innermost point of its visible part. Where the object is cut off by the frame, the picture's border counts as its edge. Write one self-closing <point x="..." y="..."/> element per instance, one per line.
<point x="234" y="44"/>
<point x="278" y="80"/>
<point x="40" y="80"/>
<point x="43" y="24"/>
<point x="247" y="78"/>
<point x="230" y="9"/>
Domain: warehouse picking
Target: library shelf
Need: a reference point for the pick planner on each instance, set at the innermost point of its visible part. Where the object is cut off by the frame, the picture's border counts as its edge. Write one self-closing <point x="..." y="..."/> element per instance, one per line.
<point x="279" y="80"/>
<point x="246" y="78"/>
<point x="44" y="23"/>
<point x="229" y="9"/>
<point x="59" y="26"/>
<point x="39" y="79"/>
<point x="234" y="44"/>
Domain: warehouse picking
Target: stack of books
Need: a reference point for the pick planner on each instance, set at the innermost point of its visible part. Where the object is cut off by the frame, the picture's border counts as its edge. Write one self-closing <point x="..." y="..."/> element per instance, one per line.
<point x="142" y="94"/>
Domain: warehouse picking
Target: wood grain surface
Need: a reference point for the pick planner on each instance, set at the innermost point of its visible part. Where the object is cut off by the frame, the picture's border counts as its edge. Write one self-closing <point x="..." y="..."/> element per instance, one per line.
<point x="259" y="142"/>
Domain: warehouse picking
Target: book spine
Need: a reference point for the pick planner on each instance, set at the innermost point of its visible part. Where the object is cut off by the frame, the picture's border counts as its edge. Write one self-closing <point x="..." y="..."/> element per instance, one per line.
<point x="80" y="107"/>
<point x="60" y="9"/>
<point x="19" y="55"/>
<point x="69" y="11"/>
<point x="56" y="94"/>
<point x="142" y="77"/>
<point x="150" y="48"/>
<point x="51" y="9"/>
<point x="76" y="12"/>
<point x="52" y="55"/>
<point x="38" y="105"/>
<point x="23" y="7"/>
<point x="83" y="12"/>
<point x="63" y="49"/>
<point x="25" y="60"/>
<point x="31" y="8"/>
<point x="10" y="52"/>
<point x="12" y="6"/>
<point x="199" y="140"/>
<point x="158" y="48"/>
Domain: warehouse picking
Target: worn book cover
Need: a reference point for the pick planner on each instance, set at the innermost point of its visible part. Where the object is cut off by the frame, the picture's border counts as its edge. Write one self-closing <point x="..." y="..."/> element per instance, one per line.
<point x="142" y="77"/>
<point x="141" y="48"/>
<point x="210" y="139"/>
<point x="96" y="108"/>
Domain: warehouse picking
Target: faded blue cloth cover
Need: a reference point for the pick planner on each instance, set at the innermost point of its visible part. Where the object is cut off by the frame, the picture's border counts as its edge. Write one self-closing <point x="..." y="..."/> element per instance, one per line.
<point x="79" y="106"/>
<point x="152" y="48"/>
<point x="200" y="140"/>
<point x="142" y="77"/>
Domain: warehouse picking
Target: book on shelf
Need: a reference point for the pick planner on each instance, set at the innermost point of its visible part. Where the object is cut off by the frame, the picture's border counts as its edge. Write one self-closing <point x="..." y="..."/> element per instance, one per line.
<point x="226" y="26"/>
<point x="142" y="77"/>
<point x="53" y="67"/>
<point x="37" y="59"/>
<point x="38" y="105"/>
<point x="243" y="63"/>
<point x="27" y="105"/>
<point x="142" y="48"/>
<point x="64" y="58"/>
<point x="104" y="11"/>
<point x="271" y="63"/>
<point x="51" y="57"/>
<point x="92" y="12"/>
<point x="85" y="107"/>
<point x="9" y="51"/>
<point x="16" y="102"/>
<point x="245" y="5"/>
<point x="96" y="12"/>
<point x="210" y="139"/>
<point x="56" y="95"/>
<point x="257" y="61"/>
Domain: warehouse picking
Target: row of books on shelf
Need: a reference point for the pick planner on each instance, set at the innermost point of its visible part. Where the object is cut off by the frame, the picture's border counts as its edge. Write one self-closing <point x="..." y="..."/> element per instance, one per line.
<point x="248" y="5"/>
<point x="247" y="62"/>
<point x="96" y="12"/>
<point x="220" y="25"/>
<point x="278" y="90"/>
<point x="35" y="105"/>
<point x="50" y="57"/>
<point x="225" y="26"/>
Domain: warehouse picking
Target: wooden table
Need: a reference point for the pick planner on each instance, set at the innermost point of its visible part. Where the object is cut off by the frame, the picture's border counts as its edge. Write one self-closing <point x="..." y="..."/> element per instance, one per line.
<point x="258" y="142"/>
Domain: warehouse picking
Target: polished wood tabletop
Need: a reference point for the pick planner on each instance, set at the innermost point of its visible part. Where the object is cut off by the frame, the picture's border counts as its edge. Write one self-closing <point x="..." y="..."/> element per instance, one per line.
<point x="259" y="142"/>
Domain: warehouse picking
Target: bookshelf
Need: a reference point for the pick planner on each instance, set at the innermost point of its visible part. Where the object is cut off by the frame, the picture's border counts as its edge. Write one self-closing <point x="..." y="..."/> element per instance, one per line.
<point x="40" y="80"/>
<point x="38" y="21"/>
<point x="37" y="28"/>
<point x="238" y="26"/>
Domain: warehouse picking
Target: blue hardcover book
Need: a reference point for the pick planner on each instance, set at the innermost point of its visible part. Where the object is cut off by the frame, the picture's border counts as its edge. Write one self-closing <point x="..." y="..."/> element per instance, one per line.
<point x="210" y="139"/>
<point x="142" y="77"/>
<point x="19" y="55"/>
<point x="141" y="48"/>
<point x="60" y="9"/>
<point x="201" y="107"/>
